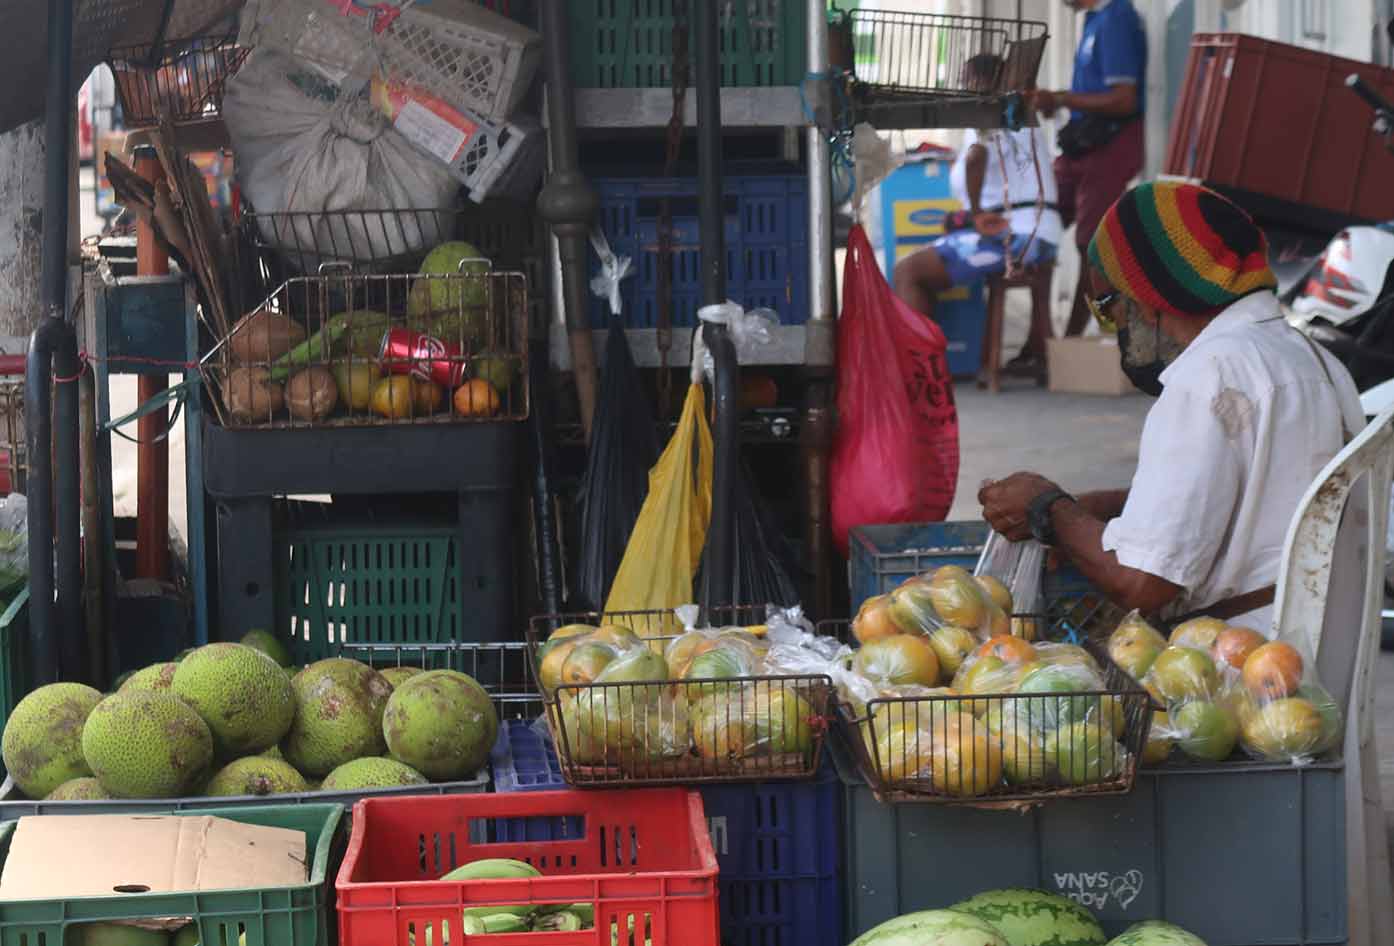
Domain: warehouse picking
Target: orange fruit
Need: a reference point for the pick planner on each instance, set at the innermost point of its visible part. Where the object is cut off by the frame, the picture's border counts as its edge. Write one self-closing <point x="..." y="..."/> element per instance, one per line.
<point x="874" y="621"/>
<point x="1235" y="644"/>
<point x="1012" y="650"/>
<point x="393" y="397"/>
<point x="477" y="398"/>
<point x="1273" y="671"/>
<point x="426" y="396"/>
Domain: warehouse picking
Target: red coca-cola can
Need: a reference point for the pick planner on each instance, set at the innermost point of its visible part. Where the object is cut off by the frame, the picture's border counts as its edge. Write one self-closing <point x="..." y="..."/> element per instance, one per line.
<point x="406" y="351"/>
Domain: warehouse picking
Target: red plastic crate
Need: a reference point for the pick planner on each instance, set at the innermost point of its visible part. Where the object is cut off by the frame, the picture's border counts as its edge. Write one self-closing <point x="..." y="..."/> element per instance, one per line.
<point x="644" y="859"/>
<point x="1276" y="122"/>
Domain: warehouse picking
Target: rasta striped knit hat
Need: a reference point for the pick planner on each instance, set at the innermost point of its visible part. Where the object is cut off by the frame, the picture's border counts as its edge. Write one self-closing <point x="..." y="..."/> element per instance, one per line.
<point x="1181" y="248"/>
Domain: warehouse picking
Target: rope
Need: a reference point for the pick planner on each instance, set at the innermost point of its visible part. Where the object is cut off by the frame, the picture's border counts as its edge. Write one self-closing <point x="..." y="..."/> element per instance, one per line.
<point x="1016" y="264"/>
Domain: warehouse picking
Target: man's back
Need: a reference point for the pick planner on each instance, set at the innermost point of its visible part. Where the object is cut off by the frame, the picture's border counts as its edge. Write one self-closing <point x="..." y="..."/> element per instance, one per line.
<point x="1250" y="414"/>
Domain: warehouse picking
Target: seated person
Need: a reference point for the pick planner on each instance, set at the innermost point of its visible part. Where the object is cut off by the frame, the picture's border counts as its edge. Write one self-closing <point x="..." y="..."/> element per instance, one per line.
<point x="1004" y="179"/>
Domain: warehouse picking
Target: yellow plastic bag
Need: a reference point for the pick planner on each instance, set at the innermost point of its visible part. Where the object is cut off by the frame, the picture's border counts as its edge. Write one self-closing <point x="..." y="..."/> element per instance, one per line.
<point x="665" y="547"/>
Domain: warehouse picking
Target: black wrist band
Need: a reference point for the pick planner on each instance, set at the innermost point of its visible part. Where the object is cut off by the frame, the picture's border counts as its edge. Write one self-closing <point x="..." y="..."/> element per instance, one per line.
<point x="1038" y="515"/>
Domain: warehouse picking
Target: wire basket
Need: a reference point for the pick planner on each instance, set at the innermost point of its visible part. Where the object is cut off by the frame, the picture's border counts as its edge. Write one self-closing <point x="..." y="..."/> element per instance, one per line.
<point x="344" y="349"/>
<point x="501" y="668"/>
<point x="937" y="54"/>
<point x="182" y="80"/>
<point x="1010" y="747"/>
<point x="1087" y="619"/>
<point x="666" y="732"/>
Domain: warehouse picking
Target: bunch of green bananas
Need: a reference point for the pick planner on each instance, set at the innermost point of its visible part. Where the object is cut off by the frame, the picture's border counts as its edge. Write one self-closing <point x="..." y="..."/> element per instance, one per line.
<point x="519" y="918"/>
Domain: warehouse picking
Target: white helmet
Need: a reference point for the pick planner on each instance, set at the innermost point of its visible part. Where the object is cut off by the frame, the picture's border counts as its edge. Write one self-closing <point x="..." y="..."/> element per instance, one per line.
<point x="1348" y="277"/>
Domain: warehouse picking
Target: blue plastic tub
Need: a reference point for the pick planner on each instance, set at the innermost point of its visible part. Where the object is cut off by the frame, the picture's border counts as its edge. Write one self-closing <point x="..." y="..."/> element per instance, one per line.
<point x="779" y="844"/>
<point x="881" y="557"/>
<point x="766" y="227"/>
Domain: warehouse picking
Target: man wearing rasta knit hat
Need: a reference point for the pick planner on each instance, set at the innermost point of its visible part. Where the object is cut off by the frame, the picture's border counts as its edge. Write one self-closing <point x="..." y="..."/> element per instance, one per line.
<point x="1248" y="412"/>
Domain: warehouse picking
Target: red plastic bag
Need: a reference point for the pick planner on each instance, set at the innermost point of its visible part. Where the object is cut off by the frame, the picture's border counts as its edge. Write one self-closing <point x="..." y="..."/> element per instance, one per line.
<point x="895" y="456"/>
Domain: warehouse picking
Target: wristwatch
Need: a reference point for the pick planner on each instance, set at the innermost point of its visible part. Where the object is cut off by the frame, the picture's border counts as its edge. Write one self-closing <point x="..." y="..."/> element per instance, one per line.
<point x="1038" y="515"/>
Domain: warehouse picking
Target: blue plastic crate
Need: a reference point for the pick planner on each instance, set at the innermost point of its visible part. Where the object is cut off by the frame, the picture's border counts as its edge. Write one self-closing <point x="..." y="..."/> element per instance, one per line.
<point x="766" y="228"/>
<point x="881" y="557"/>
<point x="779" y="844"/>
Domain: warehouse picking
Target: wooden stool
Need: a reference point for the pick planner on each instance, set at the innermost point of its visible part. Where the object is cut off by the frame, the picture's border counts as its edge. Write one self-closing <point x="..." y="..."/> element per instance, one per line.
<point x="1035" y="278"/>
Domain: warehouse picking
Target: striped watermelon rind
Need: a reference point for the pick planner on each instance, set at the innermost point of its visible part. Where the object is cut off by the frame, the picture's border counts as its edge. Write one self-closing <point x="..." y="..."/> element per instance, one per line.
<point x="934" y="928"/>
<point x="1028" y="917"/>
<point x="1156" y="933"/>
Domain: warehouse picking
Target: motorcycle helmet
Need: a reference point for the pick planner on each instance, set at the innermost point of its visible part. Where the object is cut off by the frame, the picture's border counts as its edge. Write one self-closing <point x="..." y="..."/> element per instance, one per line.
<point x="1348" y="277"/>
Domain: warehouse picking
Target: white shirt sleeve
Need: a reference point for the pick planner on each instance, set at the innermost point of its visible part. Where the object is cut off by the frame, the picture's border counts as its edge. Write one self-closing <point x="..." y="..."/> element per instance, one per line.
<point x="1184" y="494"/>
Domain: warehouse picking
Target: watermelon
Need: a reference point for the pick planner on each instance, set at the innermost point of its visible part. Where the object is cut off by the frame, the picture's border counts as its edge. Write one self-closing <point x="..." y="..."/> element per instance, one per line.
<point x="1156" y="933"/>
<point x="1035" y="918"/>
<point x="933" y="928"/>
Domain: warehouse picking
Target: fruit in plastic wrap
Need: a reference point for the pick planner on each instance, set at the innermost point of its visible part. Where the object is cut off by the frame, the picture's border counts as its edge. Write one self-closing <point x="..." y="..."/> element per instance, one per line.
<point x="957" y="598"/>
<point x="1331" y="718"/>
<point x="1160" y="739"/>
<point x="1273" y="671"/>
<point x="1023" y="742"/>
<point x="639" y="666"/>
<point x="874" y="620"/>
<point x="585" y="662"/>
<point x="662" y="731"/>
<point x="1055" y="712"/>
<point x="996" y="592"/>
<point x="617" y="636"/>
<point x="984" y="675"/>
<point x="1183" y="673"/>
<point x="595" y="730"/>
<point x="897" y="751"/>
<point x="1012" y="650"/>
<point x="1290" y="729"/>
<point x="952" y="645"/>
<point x="552" y="658"/>
<point x="1086" y="753"/>
<point x="922" y="712"/>
<point x="680" y="651"/>
<point x="912" y="610"/>
<point x="1197" y="633"/>
<point x="1134" y="645"/>
<point x="967" y="762"/>
<point x="1234" y="645"/>
<point x="899" y="660"/>
<point x="1205" y="730"/>
<point x="1066" y="655"/>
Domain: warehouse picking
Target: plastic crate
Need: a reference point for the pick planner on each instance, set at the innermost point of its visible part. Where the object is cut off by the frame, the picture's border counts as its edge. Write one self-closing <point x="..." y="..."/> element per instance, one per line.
<point x="14" y="654"/>
<point x="1240" y="854"/>
<point x="1275" y="127"/>
<point x="881" y="557"/>
<point x="628" y="43"/>
<point x="645" y="861"/>
<point x="765" y="218"/>
<point x="778" y="844"/>
<point x="280" y="916"/>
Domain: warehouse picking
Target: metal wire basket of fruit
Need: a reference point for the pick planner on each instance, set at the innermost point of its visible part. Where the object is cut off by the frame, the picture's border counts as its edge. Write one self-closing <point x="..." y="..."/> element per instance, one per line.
<point x="182" y="80"/>
<point x="340" y="349"/>
<point x="631" y="701"/>
<point x="939" y="704"/>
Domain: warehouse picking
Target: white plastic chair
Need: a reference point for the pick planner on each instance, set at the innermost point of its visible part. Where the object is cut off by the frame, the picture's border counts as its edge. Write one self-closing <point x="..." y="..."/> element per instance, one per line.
<point x="1345" y="661"/>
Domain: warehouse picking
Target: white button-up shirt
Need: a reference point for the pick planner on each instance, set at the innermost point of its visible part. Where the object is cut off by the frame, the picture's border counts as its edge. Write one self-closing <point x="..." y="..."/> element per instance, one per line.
<point x="1246" y="421"/>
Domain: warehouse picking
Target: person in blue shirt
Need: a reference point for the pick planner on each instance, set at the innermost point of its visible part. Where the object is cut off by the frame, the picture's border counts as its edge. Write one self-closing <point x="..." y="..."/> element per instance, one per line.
<point x="1102" y="144"/>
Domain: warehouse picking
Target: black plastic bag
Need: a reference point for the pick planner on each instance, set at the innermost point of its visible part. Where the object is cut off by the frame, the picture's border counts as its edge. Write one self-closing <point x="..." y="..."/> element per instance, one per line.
<point x="763" y="560"/>
<point x="624" y="447"/>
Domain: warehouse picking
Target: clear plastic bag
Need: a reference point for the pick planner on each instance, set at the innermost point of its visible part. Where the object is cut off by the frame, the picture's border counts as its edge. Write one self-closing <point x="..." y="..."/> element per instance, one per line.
<point x="948" y="596"/>
<point x="1284" y="712"/>
<point x="760" y="718"/>
<point x="14" y="543"/>
<point x="1134" y="645"/>
<point x="1011" y="573"/>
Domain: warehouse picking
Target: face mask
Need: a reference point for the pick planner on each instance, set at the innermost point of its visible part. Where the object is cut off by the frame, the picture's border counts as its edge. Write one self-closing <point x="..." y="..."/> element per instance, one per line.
<point x="1145" y="372"/>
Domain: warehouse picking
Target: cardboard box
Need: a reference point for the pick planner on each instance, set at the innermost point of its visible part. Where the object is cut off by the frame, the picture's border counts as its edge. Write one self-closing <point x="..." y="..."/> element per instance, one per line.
<point x="1086" y="366"/>
<point x="106" y="854"/>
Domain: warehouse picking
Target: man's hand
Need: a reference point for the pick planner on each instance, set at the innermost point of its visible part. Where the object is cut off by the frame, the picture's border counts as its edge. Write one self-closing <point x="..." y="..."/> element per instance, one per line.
<point x="1005" y="503"/>
<point x="990" y="224"/>
<point x="1045" y="101"/>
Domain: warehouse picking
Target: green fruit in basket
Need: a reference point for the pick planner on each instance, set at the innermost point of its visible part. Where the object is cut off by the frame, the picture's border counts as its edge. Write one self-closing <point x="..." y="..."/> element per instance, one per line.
<point x="456" y="302"/>
<point x="479" y="925"/>
<point x="338" y="716"/>
<point x="269" y="644"/>
<point x="495" y="868"/>
<point x="498" y="370"/>
<point x="117" y="934"/>
<point x="594" y="731"/>
<point x="1035" y="917"/>
<point x="564" y="921"/>
<point x="356" y="382"/>
<point x="241" y="693"/>
<point x="640" y="665"/>
<point x="147" y="745"/>
<point x="585" y="662"/>
<point x="783" y="719"/>
<point x="441" y="723"/>
<point x="1086" y="753"/>
<point x="79" y="789"/>
<point x="255" y="775"/>
<point x="42" y="745"/>
<point x="1183" y="673"/>
<point x="372" y="773"/>
<point x="934" y="928"/>
<point x="1052" y="678"/>
<point x="399" y="675"/>
<point x="154" y="677"/>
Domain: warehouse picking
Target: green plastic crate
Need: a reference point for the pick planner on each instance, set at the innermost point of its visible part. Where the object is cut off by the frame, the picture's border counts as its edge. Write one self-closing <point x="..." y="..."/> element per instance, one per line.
<point x="626" y="44"/>
<point x="276" y="916"/>
<point x="14" y="650"/>
<point x="366" y="583"/>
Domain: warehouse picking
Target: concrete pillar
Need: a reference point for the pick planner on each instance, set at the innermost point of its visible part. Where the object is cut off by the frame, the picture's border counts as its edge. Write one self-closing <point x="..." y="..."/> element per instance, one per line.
<point x="21" y="229"/>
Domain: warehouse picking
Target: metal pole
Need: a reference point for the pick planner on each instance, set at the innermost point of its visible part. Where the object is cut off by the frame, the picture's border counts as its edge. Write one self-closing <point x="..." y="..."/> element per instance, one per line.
<point x="720" y="563"/>
<point x="568" y="203"/>
<point x="152" y="456"/>
<point x="58" y="108"/>
<point x="823" y="306"/>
